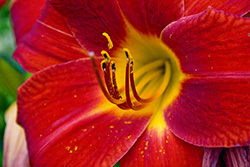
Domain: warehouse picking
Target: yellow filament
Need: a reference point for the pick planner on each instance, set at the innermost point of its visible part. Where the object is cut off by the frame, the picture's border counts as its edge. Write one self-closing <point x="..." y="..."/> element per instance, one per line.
<point x="110" y="43"/>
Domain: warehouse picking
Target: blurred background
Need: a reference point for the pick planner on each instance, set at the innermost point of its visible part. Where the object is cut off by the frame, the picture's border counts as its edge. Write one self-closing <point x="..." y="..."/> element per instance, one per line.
<point x="11" y="74"/>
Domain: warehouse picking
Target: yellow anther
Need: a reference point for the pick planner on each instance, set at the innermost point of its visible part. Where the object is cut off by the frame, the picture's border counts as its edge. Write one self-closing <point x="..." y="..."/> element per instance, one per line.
<point x="128" y="54"/>
<point x="105" y="55"/>
<point x="110" y="43"/>
<point x="104" y="65"/>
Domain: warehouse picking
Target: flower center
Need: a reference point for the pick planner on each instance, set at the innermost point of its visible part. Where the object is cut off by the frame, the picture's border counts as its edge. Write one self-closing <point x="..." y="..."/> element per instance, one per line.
<point x="128" y="97"/>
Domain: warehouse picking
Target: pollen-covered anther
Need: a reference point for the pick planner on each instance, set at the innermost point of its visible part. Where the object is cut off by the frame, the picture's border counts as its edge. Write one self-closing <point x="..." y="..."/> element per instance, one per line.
<point x="110" y="43"/>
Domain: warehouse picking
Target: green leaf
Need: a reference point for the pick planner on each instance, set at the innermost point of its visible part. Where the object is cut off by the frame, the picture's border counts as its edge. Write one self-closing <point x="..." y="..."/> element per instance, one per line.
<point x="117" y="164"/>
<point x="10" y="79"/>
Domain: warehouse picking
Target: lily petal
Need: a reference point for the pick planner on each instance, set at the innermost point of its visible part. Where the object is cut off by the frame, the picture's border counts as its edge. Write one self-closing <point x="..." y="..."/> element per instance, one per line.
<point x="89" y="19"/>
<point x="81" y="128"/>
<point x="49" y="42"/>
<point x="24" y="14"/>
<point x="212" y="111"/>
<point x="157" y="146"/>
<point x="213" y="50"/>
<point x="15" y="146"/>
<point x="150" y="16"/>
<point x="210" y="43"/>
<point x="238" y="7"/>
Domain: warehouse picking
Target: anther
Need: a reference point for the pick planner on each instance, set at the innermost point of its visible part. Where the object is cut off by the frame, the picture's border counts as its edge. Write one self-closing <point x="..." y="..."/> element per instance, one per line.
<point x="105" y="55"/>
<point x="128" y="55"/>
<point x="104" y="65"/>
<point x="113" y="66"/>
<point x="110" y="43"/>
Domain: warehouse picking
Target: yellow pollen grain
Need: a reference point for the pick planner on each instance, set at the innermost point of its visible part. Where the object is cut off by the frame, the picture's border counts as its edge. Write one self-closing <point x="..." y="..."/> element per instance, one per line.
<point x="84" y="130"/>
<point x="41" y="135"/>
<point x="75" y="96"/>
<point x="166" y="141"/>
<point x="70" y="151"/>
<point x="129" y="136"/>
<point x="44" y="104"/>
<point x="76" y="148"/>
<point x="195" y="70"/>
<point x="160" y="151"/>
<point x="67" y="148"/>
<point x="93" y="127"/>
<point x="146" y="143"/>
<point x="167" y="137"/>
<point x="142" y="152"/>
<point x="111" y="126"/>
<point x="168" y="115"/>
<point x="146" y="148"/>
<point x="127" y="122"/>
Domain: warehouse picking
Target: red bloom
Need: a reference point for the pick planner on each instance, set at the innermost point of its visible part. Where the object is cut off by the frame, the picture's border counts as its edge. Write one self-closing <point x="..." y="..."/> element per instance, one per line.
<point x="190" y="62"/>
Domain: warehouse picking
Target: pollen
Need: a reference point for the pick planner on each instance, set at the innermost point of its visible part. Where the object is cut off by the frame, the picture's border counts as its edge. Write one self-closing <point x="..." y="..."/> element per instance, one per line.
<point x="111" y="126"/>
<point x="127" y="122"/>
<point x="128" y="137"/>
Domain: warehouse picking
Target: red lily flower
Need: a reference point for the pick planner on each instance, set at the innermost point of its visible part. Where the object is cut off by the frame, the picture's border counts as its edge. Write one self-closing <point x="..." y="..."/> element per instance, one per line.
<point x="190" y="65"/>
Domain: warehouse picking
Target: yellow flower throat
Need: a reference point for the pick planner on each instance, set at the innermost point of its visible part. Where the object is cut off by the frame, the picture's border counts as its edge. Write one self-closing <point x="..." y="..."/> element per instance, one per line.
<point x="128" y="97"/>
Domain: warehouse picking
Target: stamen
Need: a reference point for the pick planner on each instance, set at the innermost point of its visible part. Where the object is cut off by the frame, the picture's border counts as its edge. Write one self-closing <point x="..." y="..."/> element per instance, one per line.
<point x="127" y="53"/>
<point x="104" y="90"/>
<point x="116" y="90"/>
<point x="127" y="90"/>
<point x="105" y="55"/>
<point x="110" y="43"/>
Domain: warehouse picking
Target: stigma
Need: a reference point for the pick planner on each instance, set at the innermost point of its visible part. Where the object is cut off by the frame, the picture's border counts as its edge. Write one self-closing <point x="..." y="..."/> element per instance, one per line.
<point x="127" y="97"/>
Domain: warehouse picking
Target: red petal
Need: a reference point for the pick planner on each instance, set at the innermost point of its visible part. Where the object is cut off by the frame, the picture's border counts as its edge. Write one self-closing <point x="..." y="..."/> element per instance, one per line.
<point x="24" y="14"/>
<point x="210" y="43"/>
<point x="49" y="42"/>
<point x="212" y="111"/>
<point x="238" y="7"/>
<point x="150" y="16"/>
<point x="89" y="19"/>
<point x="68" y="122"/>
<point x="159" y="147"/>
